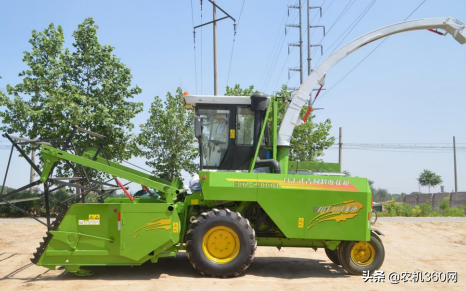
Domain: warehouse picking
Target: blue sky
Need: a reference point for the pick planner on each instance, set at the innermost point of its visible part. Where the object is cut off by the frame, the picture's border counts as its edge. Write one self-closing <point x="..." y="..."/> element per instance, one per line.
<point x="410" y="91"/>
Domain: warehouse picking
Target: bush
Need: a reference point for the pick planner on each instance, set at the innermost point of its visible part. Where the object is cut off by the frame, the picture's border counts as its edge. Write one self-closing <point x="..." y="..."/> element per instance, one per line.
<point x="450" y="211"/>
<point x="444" y="205"/>
<point x="426" y="208"/>
<point x="397" y="209"/>
<point x="454" y="211"/>
<point x="416" y="211"/>
<point x="35" y="207"/>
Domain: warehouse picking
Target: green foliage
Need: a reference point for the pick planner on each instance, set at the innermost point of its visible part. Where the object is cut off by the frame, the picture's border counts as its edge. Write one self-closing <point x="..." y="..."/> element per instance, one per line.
<point x="397" y="209"/>
<point x="168" y="137"/>
<point x="238" y="91"/>
<point x="88" y="87"/>
<point x="310" y="139"/>
<point x="35" y="207"/>
<point x="426" y="208"/>
<point x="445" y="204"/>
<point x="347" y="173"/>
<point x="393" y="208"/>
<point x="446" y="210"/>
<point x="454" y="211"/>
<point x="382" y="195"/>
<point x="435" y="214"/>
<point x="429" y="178"/>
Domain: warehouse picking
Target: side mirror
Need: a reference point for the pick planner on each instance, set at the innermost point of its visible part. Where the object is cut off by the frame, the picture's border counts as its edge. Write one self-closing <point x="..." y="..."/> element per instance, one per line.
<point x="197" y="127"/>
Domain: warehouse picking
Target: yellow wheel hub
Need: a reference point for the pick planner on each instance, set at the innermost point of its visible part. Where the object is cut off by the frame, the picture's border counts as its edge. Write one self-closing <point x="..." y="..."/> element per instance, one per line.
<point x="362" y="253"/>
<point x="221" y="244"/>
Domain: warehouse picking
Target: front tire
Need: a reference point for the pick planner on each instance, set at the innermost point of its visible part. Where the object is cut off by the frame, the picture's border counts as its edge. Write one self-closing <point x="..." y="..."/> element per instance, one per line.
<point x="221" y="243"/>
<point x="356" y="257"/>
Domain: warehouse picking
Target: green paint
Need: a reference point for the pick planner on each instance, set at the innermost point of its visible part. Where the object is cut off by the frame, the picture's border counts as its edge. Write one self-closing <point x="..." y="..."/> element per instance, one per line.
<point x="314" y="166"/>
<point x="261" y="138"/>
<point x="313" y="211"/>
<point x="274" y="127"/>
<point x="283" y="158"/>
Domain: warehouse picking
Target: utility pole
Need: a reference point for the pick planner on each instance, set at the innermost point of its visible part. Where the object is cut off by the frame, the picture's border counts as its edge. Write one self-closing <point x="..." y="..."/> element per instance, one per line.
<point x="340" y="147"/>
<point x="299" y="44"/>
<point x="214" y="23"/>
<point x="309" y="68"/>
<point x="454" y="163"/>
<point x="308" y="39"/>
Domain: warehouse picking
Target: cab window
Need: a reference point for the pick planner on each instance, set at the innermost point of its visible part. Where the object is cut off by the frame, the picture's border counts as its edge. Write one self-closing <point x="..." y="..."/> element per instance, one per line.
<point x="215" y="135"/>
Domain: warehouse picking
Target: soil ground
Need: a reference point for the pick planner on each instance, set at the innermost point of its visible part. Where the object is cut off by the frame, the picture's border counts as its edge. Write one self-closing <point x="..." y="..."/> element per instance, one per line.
<point x="410" y="246"/>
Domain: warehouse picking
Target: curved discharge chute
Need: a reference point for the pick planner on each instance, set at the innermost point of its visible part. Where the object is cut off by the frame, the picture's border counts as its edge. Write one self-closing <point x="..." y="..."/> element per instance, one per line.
<point x="301" y="97"/>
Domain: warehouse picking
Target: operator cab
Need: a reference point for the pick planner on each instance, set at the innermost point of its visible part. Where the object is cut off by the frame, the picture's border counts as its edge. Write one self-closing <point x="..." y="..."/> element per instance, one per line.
<point x="226" y="128"/>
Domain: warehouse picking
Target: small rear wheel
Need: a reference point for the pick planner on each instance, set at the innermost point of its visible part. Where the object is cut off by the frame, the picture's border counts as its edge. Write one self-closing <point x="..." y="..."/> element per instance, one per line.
<point x="221" y="243"/>
<point x="333" y="256"/>
<point x="357" y="257"/>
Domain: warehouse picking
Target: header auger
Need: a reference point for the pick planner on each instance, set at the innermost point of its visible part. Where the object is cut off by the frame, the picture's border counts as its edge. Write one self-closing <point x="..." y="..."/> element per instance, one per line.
<point x="247" y="193"/>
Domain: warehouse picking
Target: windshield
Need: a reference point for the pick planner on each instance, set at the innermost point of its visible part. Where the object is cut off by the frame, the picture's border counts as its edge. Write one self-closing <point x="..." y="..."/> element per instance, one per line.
<point x="215" y="135"/>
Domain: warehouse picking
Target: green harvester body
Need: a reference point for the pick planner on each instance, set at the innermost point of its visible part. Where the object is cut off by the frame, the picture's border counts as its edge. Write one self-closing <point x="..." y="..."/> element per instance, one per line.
<point x="302" y="210"/>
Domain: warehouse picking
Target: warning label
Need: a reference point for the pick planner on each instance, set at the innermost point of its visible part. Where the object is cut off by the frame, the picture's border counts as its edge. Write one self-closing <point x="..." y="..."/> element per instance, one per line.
<point x="94" y="219"/>
<point x="175" y="227"/>
<point x="301" y="222"/>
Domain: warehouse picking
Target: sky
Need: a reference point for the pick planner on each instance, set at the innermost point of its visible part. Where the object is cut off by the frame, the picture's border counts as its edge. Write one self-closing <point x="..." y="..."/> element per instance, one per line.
<point x="399" y="109"/>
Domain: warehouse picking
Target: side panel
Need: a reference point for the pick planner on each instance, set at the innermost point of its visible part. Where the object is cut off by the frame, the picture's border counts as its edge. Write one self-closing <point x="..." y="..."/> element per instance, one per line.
<point x="111" y="234"/>
<point x="302" y="206"/>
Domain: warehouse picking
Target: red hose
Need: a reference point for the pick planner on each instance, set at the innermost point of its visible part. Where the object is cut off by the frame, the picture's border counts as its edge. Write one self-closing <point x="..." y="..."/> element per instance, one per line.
<point x="124" y="190"/>
<point x="310" y="107"/>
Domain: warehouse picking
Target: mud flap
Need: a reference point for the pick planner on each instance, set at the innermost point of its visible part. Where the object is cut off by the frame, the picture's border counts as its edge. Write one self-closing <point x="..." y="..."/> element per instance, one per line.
<point x="376" y="231"/>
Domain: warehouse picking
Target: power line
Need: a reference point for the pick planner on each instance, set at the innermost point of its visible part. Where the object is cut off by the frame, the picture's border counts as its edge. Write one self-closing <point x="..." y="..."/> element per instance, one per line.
<point x="234" y="38"/>
<point x="274" y="51"/>
<point x="195" y="61"/>
<point x="201" y="50"/>
<point x="333" y="24"/>
<point x="340" y="16"/>
<point x="352" y="26"/>
<point x="266" y="85"/>
<point x="370" y="53"/>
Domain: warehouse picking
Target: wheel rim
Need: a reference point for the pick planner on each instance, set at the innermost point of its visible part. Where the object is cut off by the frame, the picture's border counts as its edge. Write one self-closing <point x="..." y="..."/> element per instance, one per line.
<point x="221" y="244"/>
<point x="362" y="253"/>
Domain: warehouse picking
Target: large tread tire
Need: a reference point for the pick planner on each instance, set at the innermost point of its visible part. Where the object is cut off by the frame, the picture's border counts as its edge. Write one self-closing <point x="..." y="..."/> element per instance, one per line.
<point x="333" y="256"/>
<point x="355" y="268"/>
<point x="215" y="218"/>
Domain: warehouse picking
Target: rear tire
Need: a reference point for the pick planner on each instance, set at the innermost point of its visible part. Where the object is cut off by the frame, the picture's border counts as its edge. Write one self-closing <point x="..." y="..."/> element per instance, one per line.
<point x="333" y="256"/>
<point x="356" y="257"/>
<point x="221" y="243"/>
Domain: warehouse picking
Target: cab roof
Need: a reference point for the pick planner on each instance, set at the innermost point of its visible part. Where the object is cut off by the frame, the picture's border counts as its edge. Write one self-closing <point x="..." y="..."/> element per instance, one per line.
<point x="190" y="101"/>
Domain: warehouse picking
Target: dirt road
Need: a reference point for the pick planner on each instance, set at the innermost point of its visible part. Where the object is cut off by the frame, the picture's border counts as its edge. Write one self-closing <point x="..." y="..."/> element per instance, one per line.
<point x="409" y="246"/>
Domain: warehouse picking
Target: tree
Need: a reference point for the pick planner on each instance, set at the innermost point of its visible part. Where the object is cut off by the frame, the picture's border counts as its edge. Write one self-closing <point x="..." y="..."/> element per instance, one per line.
<point x="381" y="195"/>
<point x="88" y="87"/>
<point x="429" y="178"/>
<point x="309" y="140"/>
<point x="168" y="138"/>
